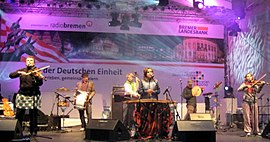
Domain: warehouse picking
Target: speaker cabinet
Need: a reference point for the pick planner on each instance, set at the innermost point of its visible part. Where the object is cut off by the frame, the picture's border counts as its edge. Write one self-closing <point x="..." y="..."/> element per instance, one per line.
<point x="266" y="131"/>
<point x="106" y="130"/>
<point x="194" y="131"/>
<point x="10" y="129"/>
<point x="200" y="116"/>
<point x="117" y="110"/>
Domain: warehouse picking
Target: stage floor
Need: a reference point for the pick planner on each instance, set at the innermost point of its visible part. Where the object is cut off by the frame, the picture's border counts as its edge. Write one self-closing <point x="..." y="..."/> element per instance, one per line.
<point x="75" y="135"/>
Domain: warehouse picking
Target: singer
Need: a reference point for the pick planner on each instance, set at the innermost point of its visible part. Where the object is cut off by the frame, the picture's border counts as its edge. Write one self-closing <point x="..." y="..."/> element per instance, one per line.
<point x="190" y="99"/>
<point x="29" y="96"/>
<point x="148" y="87"/>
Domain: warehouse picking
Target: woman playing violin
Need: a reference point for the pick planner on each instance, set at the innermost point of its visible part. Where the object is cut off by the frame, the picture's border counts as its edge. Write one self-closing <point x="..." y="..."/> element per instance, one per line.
<point x="250" y="106"/>
<point x="29" y="96"/>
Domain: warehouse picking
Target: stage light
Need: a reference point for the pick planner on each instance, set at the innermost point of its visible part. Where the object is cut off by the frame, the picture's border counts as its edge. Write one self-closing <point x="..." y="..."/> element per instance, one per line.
<point x="135" y="22"/>
<point x="31" y="1"/>
<point x="125" y="22"/>
<point x="97" y="6"/>
<point x="233" y="29"/>
<point x="228" y="92"/>
<point x="21" y="1"/>
<point x="199" y="4"/>
<point x="79" y="5"/>
<point x="145" y="8"/>
<point x="115" y="21"/>
<point x="233" y="33"/>
<point x="163" y="2"/>
<point x="89" y="6"/>
<point x="239" y="8"/>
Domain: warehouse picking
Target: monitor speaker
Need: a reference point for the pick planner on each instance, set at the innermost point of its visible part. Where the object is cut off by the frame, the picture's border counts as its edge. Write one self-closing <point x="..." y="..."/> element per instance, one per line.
<point x="266" y="131"/>
<point x="200" y="116"/>
<point x="194" y="131"/>
<point x="10" y="129"/>
<point x="106" y="130"/>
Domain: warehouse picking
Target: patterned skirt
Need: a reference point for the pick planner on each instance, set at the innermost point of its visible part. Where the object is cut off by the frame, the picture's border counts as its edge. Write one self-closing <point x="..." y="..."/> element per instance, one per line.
<point x="28" y="102"/>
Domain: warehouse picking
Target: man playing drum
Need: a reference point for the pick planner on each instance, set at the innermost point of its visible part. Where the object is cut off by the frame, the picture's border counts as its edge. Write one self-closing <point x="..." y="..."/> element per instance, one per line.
<point x="190" y="95"/>
<point x="85" y="91"/>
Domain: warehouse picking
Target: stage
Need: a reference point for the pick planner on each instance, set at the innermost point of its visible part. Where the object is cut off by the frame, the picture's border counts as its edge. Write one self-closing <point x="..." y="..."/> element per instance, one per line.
<point x="74" y="134"/>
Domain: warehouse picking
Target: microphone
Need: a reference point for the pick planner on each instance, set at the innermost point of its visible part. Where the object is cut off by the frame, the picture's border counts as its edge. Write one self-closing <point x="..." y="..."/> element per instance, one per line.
<point x="166" y="90"/>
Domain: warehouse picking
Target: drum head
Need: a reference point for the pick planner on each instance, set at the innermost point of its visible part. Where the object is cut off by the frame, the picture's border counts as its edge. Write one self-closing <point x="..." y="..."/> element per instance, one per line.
<point x="196" y="91"/>
<point x="63" y="104"/>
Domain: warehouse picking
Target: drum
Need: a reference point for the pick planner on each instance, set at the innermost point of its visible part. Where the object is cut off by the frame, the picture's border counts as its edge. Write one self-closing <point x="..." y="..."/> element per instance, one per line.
<point x="64" y="103"/>
<point x="196" y="91"/>
<point x="81" y="97"/>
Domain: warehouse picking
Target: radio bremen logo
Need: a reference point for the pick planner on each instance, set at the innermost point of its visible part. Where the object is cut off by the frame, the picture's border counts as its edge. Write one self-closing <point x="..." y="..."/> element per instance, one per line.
<point x="71" y="25"/>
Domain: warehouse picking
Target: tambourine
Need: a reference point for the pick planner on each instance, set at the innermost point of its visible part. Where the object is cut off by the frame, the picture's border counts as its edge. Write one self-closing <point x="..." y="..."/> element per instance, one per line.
<point x="196" y="91"/>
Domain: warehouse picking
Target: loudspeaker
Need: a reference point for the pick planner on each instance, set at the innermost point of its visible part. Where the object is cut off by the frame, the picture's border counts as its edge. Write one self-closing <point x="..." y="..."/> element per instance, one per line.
<point x="106" y="130"/>
<point x="117" y="110"/>
<point x="266" y="131"/>
<point x="194" y="131"/>
<point x="10" y="129"/>
<point x="200" y="116"/>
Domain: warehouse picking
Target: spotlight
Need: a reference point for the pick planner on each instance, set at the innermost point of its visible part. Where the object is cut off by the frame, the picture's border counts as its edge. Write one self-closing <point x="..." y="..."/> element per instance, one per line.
<point x="239" y="8"/>
<point x="115" y="21"/>
<point x="79" y="5"/>
<point x="199" y="4"/>
<point x="233" y="33"/>
<point x="31" y="1"/>
<point x="89" y="6"/>
<point x="135" y="22"/>
<point x="97" y="6"/>
<point x="21" y="1"/>
<point x="145" y="8"/>
<point x="228" y="92"/>
<point x="163" y="2"/>
<point x="233" y="29"/>
<point x="125" y="22"/>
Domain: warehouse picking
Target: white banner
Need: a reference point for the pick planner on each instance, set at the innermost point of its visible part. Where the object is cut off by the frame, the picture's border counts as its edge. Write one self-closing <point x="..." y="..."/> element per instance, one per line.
<point x="177" y="28"/>
<point x="106" y="74"/>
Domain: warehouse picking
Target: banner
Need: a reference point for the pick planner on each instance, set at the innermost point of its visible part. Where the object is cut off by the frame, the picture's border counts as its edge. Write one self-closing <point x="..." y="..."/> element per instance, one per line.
<point x="106" y="74"/>
<point x="173" y="28"/>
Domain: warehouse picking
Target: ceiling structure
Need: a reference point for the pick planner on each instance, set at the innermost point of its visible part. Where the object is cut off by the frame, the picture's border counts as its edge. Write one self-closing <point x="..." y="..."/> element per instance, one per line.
<point x="174" y="11"/>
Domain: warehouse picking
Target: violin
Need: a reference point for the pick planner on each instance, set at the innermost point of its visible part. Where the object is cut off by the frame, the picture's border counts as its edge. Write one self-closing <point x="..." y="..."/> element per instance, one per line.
<point x="259" y="81"/>
<point x="36" y="72"/>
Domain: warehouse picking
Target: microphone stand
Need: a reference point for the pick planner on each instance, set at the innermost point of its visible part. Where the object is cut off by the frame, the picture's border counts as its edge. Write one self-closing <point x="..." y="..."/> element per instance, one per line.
<point x="260" y="109"/>
<point x="181" y="96"/>
<point x="170" y="98"/>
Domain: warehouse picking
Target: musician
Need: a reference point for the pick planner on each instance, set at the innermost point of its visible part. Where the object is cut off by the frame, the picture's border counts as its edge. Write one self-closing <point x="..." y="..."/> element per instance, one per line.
<point x="250" y="87"/>
<point x="29" y="96"/>
<point x="148" y="87"/>
<point x="131" y="93"/>
<point x="191" y="100"/>
<point x="87" y="86"/>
